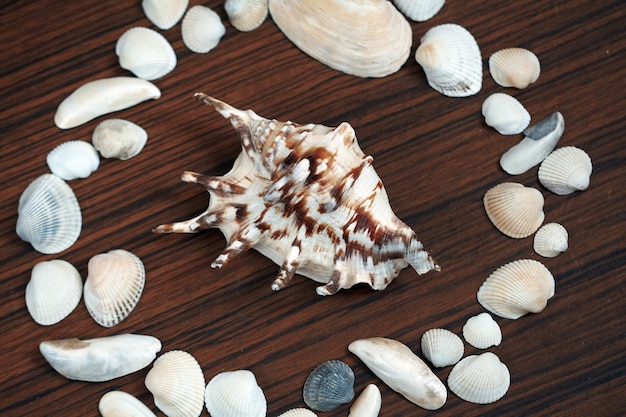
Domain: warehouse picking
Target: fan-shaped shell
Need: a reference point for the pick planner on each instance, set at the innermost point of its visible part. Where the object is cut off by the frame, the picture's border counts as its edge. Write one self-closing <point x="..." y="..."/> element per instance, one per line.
<point x="246" y="15"/>
<point x="482" y="331"/>
<point x="451" y="60"/>
<point x="328" y="386"/>
<point x="298" y="412"/>
<point x="566" y="170"/>
<point x="48" y="215"/>
<point x="368" y="403"/>
<point x="550" y="240"/>
<point x="368" y="38"/>
<point x="114" y="285"/>
<point x="442" y="347"/>
<point x="480" y="379"/>
<point x="515" y="210"/>
<point x="419" y="10"/>
<point x="122" y="404"/>
<point x="202" y="29"/>
<point x="235" y="394"/>
<point x="146" y="53"/>
<point x="505" y="114"/>
<point x="177" y="383"/>
<point x="517" y="288"/>
<point x="119" y="138"/>
<point x="164" y="13"/>
<point x="514" y="67"/>
<point x="53" y="292"/>
<point x="73" y="159"/>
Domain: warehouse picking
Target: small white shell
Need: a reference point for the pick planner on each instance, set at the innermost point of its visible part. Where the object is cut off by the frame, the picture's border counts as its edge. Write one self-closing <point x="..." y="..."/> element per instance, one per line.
<point x="482" y="331"/>
<point x="122" y="404"/>
<point x="202" y="29"/>
<point x="119" y="138"/>
<point x="505" y="114"/>
<point x="514" y="67"/>
<point x="246" y="15"/>
<point x="328" y="386"/>
<point x="146" y="53"/>
<point x="566" y="170"/>
<point x="368" y="403"/>
<point x="442" y="347"/>
<point x="48" y="215"/>
<point x="53" y="292"/>
<point x="164" y="13"/>
<point x="419" y="10"/>
<point x="235" y="394"/>
<point x="550" y="240"/>
<point x="298" y="412"/>
<point x="515" y="210"/>
<point x="480" y="379"/>
<point x="73" y="159"/>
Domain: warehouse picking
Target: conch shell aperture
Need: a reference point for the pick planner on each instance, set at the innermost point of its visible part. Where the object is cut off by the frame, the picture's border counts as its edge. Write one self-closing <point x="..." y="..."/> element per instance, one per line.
<point x="308" y="198"/>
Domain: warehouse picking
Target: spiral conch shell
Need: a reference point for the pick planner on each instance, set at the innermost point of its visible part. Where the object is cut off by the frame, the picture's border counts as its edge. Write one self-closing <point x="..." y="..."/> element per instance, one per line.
<point x="309" y="199"/>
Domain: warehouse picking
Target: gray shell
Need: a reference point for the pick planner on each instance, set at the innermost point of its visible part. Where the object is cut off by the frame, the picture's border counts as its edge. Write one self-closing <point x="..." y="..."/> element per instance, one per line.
<point x="328" y="386"/>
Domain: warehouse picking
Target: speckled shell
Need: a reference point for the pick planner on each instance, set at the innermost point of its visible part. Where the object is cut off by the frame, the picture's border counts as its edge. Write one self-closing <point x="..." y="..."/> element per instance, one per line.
<point x="550" y="240"/>
<point x="119" y="139"/>
<point x="328" y="386"/>
<point x="308" y="198"/>
<point x="515" y="210"/>
<point x="442" y="347"/>
<point x="566" y="170"/>
<point x="480" y="379"/>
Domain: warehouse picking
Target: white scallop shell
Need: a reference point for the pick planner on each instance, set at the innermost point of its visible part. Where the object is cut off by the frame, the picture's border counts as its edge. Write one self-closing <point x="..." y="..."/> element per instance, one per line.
<point x="517" y="288"/>
<point x="482" y="331"/>
<point x="53" y="292"/>
<point x="368" y="403"/>
<point x="119" y="138"/>
<point x="202" y="29"/>
<point x="566" y="170"/>
<point x="298" y="412"/>
<point x="451" y="60"/>
<point x="96" y="98"/>
<point x="164" y="13"/>
<point x="146" y="53"/>
<point x="73" y="159"/>
<point x="177" y="383"/>
<point x="550" y="240"/>
<point x="515" y="210"/>
<point x="235" y="394"/>
<point x="480" y="379"/>
<point x="246" y="15"/>
<point x="48" y="215"/>
<point x="441" y="347"/>
<point x="113" y="286"/>
<point x="122" y="404"/>
<point x="514" y="67"/>
<point x="419" y="10"/>
<point x="505" y="114"/>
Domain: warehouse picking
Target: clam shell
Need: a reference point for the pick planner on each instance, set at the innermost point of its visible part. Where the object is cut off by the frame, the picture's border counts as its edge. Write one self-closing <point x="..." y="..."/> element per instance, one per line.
<point x="177" y="383"/>
<point x="235" y="394"/>
<point x="419" y="10"/>
<point x="442" y="347"/>
<point x="202" y="29"/>
<point x="122" y="404"/>
<point x="53" y="292"/>
<point x="482" y="331"/>
<point x="480" y="379"/>
<point x="550" y="240"/>
<point x="368" y="403"/>
<point x="119" y="138"/>
<point x="451" y="60"/>
<point x="48" y="215"/>
<point x="113" y="287"/>
<point x="505" y="114"/>
<point x="246" y="15"/>
<point x="298" y="412"/>
<point x="566" y="170"/>
<point x="517" y="288"/>
<point x="514" y="67"/>
<point x="515" y="210"/>
<point x="73" y="159"/>
<point x="328" y="386"/>
<point x="164" y="13"/>
<point x="146" y="53"/>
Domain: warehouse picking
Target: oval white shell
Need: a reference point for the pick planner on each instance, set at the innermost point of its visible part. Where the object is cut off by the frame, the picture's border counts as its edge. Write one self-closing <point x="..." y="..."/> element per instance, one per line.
<point x="164" y="13"/>
<point x="122" y="404"/>
<point x="482" y="331"/>
<point x="298" y="412"/>
<point x="328" y="386"/>
<point x="566" y="170"/>
<point x="505" y="114"/>
<point x="480" y="379"/>
<point x="368" y="403"/>
<point x="101" y="359"/>
<point x="202" y="29"/>
<point x="48" y="215"/>
<point x="235" y="394"/>
<point x="146" y="53"/>
<point x="442" y="347"/>
<point x="246" y="15"/>
<point x="119" y="138"/>
<point x="419" y="10"/>
<point x="96" y="98"/>
<point x="515" y="210"/>
<point x="550" y="240"/>
<point x="514" y="67"/>
<point x="53" y="292"/>
<point x="73" y="159"/>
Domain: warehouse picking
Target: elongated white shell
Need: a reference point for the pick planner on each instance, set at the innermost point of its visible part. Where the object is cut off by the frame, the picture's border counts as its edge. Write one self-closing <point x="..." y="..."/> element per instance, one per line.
<point x="122" y="404"/>
<point x="482" y="331"/>
<point x="505" y="114"/>
<point x="119" y="138"/>
<point x="442" y="347"/>
<point x="550" y="240"/>
<point x="298" y="412"/>
<point x="419" y="10"/>
<point x="96" y="98"/>
<point x="202" y="29"/>
<point x="480" y="379"/>
<point x="73" y="159"/>
<point x="101" y="359"/>
<point x="515" y="210"/>
<point x="48" y="215"/>
<point x="566" y="170"/>
<point x="164" y="13"/>
<point x="235" y="394"/>
<point x="514" y="67"/>
<point x="368" y="403"/>
<point x="146" y="53"/>
<point x="246" y="15"/>
<point x="398" y="367"/>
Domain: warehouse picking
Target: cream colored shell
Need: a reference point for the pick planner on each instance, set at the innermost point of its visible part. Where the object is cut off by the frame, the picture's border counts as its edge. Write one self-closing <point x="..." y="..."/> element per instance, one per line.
<point x="514" y="67"/>
<point x="550" y="240"/>
<point x="235" y="394"/>
<point x="146" y="53"/>
<point x="566" y="170"/>
<point x="480" y="379"/>
<point x="122" y="404"/>
<point x="442" y="347"/>
<point x="202" y="29"/>
<point x="298" y="412"/>
<point x="119" y="139"/>
<point x="246" y="15"/>
<point x="505" y="114"/>
<point x="482" y="331"/>
<point x="419" y="10"/>
<point x="368" y="403"/>
<point x="164" y="13"/>
<point x="515" y="210"/>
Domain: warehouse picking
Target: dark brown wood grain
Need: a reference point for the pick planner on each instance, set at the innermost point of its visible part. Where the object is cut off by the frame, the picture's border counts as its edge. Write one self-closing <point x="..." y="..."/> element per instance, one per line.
<point x="436" y="158"/>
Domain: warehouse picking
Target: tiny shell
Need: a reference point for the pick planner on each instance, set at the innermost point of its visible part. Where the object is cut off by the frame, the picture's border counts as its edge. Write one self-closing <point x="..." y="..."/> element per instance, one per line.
<point x="119" y="138"/>
<point x="514" y="67"/>
<point x="482" y="331"/>
<point x="235" y="394"/>
<point x="550" y="240"/>
<point x="298" y="412"/>
<point x="419" y="10"/>
<point x="328" y="386"/>
<point x="480" y="379"/>
<point x="442" y="347"/>
<point x="202" y="29"/>
<point x="367" y="404"/>
<point x="505" y="114"/>
<point x="566" y="170"/>
<point x="515" y="210"/>
<point x="73" y="159"/>
<point x="122" y="404"/>
<point x="146" y="53"/>
<point x="164" y="13"/>
<point x="246" y="15"/>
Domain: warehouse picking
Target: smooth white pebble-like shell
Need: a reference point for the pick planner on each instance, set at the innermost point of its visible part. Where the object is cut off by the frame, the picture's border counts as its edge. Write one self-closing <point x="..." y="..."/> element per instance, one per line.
<point x="119" y="139"/>
<point x="235" y="394"/>
<point x="441" y="347"/>
<point x="368" y="403"/>
<point x="482" y="331"/>
<point x="514" y="209"/>
<point x="514" y="67"/>
<point x="122" y="404"/>
<point x="246" y="15"/>
<point x="73" y="159"/>
<point x="550" y="240"/>
<point x="505" y="114"/>
<point x="146" y="53"/>
<point x="202" y="29"/>
<point x="164" y="14"/>
<point x="419" y="10"/>
<point x="480" y="379"/>
<point x="566" y="170"/>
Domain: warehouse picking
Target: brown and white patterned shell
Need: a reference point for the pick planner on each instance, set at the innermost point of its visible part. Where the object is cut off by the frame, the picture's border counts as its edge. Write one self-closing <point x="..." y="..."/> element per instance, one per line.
<point x="309" y="199"/>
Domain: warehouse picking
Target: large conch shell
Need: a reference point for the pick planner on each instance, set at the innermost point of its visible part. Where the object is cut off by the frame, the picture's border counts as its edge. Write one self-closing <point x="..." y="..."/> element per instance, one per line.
<point x="309" y="199"/>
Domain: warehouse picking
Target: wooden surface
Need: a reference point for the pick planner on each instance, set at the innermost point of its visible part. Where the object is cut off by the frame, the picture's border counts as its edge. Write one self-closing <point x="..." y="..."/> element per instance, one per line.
<point x="436" y="158"/>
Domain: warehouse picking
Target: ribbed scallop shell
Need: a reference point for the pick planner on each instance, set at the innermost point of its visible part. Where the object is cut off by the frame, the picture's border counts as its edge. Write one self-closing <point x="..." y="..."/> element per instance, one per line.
<point x="48" y="215"/>
<point x="177" y="383"/>
<point x="164" y="13"/>
<point x="441" y="347"/>
<point x="73" y="159"/>
<point x="53" y="292"/>
<point x="246" y="15"/>
<point x="515" y="210"/>
<point x="235" y="394"/>
<point x="122" y="404"/>
<point x="119" y="139"/>
<point x="550" y="240"/>
<point x="482" y="331"/>
<point x="505" y="114"/>
<point x="419" y="10"/>
<point x="298" y="412"/>
<point x="514" y="67"/>
<point x="114" y="285"/>
<point x="451" y="60"/>
<point x="480" y="379"/>
<point x="328" y="386"/>
<point x="566" y="170"/>
<point x="202" y="29"/>
<point x="146" y="53"/>
<point x="368" y="403"/>
<point x="517" y="288"/>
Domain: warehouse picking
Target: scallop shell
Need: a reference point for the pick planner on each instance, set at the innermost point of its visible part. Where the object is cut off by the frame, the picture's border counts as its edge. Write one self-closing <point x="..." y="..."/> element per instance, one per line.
<point x="442" y="347"/>
<point x="113" y="287"/>
<point x="517" y="288"/>
<point x="419" y="10"/>
<point x="368" y="38"/>
<point x="298" y="412"/>
<point x="368" y="403"/>
<point x="101" y="359"/>
<point x="119" y="138"/>
<point x="308" y="198"/>
<point x="48" y="215"/>
<point x="566" y="170"/>
<point x="246" y="15"/>
<point x="122" y="404"/>
<point x="328" y="386"/>
<point x="96" y="98"/>
<point x="515" y="210"/>
<point x="235" y="394"/>
<point x="73" y="159"/>
<point x="146" y="53"/>
<point x="177" y="383"/>
<point x="550" y="240"/>
<point x="451" y="60"/>
<point x="482" y="331"/>
<point x="53" y="292"/>
<point x="514" y="67"/>
<point x="398" y="367"/>
<point x="164" y="13"/>
<point x="480" y="379"/>
<point x="202" y="29"/>
<point x="505" y="114"/>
